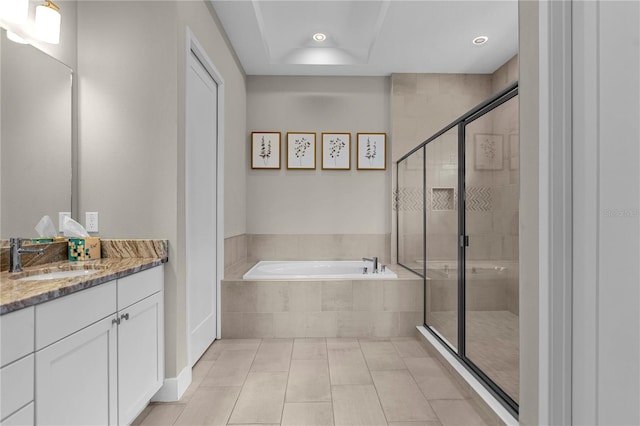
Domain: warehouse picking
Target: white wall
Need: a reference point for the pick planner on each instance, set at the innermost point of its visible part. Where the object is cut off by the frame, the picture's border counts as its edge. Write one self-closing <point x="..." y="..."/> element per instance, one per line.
<point x="318" y="201"/>
<point x="606" y="181"/>
<point x="131" y="60"/>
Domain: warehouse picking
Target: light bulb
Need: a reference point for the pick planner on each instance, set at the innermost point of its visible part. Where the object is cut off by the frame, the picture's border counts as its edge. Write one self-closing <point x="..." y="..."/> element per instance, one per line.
<point x="16" y="11"/>
<point x="47" y="27"/>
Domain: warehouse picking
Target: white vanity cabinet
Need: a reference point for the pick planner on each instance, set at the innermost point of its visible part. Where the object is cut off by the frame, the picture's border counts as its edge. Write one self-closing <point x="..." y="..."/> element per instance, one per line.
<point x="16" y="367"/>
<point x="99" y="352"/>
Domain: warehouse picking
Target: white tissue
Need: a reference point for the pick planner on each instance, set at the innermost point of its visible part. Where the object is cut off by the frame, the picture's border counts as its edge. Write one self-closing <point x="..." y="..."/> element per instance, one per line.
<point x="73" y="229"/>
<point x="45" y="228"/>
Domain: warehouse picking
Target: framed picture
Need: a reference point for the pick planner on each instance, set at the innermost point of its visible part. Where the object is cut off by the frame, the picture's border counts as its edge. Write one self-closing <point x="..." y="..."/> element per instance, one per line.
<point x="514" y="151"/>
<point x="488" y="151"/>
<point x="301" y="150"/>
<point x="336" y="151"/>
<point x="265" y="150"/>
<point x="372" y="151"/>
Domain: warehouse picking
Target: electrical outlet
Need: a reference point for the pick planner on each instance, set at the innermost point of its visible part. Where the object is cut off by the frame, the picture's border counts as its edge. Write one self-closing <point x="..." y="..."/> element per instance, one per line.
<point x="61" y="216"/>
<point x="91" y="221"/>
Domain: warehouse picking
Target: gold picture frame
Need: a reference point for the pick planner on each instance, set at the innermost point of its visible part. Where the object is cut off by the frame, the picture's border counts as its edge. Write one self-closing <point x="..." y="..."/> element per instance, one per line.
<point x="265" y="150"/>
<point x="371" y="151"/>
<point x="301" y="150"/>
<point x="336" y="151"/>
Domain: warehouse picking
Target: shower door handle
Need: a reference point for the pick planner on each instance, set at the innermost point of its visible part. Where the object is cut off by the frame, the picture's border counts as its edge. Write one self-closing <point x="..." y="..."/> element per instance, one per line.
<point x="464" y="241"/>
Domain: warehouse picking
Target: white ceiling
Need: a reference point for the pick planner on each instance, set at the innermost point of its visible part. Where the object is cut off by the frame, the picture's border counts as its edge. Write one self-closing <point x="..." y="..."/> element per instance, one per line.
<point x="364" y="37"/>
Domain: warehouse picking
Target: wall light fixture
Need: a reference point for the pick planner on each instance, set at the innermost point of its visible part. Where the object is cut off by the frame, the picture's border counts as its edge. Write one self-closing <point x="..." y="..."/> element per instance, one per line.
<point x="47" y="26"/>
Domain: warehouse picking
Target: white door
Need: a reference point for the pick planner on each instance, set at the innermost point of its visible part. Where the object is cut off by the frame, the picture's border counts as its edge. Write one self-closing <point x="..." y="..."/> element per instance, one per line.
<point x="201" y="160"/>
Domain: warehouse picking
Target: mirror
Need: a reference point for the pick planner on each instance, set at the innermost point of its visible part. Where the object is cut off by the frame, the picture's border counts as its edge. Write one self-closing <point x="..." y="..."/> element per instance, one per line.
<point x="36" y="138"/>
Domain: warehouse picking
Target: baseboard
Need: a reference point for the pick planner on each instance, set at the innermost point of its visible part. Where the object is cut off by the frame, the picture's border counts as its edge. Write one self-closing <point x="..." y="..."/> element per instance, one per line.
<point x="474" y="385"/>
<point x="174" y="387"/>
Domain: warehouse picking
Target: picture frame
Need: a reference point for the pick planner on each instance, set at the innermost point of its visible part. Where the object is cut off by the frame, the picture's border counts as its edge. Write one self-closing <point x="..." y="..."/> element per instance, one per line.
<point x="301" y="150"/>
<point x="265" y="150"/>
<point x="514" y="151"/>
<point x="371" y="151"/>
<point x="488" y="151"/>
<point x="336" y="151"/>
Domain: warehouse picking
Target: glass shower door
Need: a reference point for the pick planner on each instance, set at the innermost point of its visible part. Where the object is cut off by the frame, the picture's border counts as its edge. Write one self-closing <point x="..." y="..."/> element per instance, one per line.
<point x="441" y="231"/>
<point x="491" y="256"/>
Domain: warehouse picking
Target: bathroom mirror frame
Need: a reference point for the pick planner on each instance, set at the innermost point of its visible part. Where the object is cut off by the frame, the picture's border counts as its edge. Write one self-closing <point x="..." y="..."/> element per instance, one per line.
<point x="37" y="178"/>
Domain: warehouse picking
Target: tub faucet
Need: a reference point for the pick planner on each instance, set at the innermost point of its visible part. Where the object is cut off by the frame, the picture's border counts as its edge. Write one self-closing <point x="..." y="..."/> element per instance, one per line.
<point x="15" y="257"/>
<point x="373" y="260"/>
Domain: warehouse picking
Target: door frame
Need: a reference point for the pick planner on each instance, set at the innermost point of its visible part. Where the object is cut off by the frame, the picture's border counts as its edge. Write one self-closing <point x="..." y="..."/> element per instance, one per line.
<point x="193" y="45"/>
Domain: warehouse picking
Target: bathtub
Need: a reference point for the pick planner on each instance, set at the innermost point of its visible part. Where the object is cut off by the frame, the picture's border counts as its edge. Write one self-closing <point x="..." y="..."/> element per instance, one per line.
<point x="315" y="270"/>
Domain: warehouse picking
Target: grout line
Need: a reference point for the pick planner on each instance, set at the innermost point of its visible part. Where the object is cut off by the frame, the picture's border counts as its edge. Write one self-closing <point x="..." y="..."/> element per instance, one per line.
<point x="243" y="383"/>
<point x="375" y="388"/>
<point x="286" y="386"/>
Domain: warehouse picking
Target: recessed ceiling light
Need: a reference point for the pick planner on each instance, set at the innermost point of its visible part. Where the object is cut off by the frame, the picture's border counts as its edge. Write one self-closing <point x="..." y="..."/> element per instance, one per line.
<point x="319" y="37"/>
<point x="480" y="40"/>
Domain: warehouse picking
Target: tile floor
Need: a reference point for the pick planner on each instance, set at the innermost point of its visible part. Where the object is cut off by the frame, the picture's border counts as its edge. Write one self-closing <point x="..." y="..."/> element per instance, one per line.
<point x="318" y="382"/>
<point x="492" y="344"/>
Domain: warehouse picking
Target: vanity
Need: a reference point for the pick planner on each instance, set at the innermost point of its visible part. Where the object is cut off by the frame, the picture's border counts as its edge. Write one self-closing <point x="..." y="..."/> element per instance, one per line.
<point x="83" y="349"/>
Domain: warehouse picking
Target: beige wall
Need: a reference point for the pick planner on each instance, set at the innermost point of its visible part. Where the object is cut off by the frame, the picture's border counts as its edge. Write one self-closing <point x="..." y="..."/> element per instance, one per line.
<point x="131" y="60"/>
<point x="318" y="201"/>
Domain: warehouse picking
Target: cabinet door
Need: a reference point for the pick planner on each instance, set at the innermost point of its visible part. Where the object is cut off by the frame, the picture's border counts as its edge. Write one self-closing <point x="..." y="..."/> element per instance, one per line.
<point x="76" y="376"/>
<point x="140" y="355"/>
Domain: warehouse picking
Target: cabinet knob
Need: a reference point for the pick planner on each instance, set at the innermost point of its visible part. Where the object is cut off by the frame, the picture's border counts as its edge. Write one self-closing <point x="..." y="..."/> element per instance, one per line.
<point x="124" y="316"/>
<point x="115" y="321"/>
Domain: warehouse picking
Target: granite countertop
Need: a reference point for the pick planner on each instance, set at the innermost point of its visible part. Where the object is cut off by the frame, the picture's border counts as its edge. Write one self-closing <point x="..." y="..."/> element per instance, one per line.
<point x="16" y="294"/>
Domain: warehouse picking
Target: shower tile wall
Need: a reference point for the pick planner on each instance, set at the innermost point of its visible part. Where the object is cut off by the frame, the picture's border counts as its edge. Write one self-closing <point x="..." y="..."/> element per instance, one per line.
<point x="421" y="104"/>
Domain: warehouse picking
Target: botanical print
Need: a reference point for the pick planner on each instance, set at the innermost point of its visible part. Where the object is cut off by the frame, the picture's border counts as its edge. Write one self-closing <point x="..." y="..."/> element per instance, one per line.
<point x="488" y="151"/>
<point x="336" y="152"/>
<point x="336" y="146"/>
<point x="265" y="150"/>
<point x="301" y="150"/>
<point x="371" y="151"/>
<point x="301" y="146"/>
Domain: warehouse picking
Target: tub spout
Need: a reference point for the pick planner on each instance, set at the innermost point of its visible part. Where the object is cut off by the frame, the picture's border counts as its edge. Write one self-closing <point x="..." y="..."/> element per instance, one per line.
<point x="373" y="260"/>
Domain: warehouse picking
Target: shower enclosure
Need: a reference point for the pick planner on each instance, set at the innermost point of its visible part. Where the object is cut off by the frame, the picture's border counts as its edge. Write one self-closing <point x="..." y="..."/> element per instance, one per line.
<point x="466" y="246"/>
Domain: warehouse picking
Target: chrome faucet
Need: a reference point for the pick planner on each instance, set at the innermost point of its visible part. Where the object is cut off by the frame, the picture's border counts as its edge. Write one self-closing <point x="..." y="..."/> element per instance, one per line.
<point x="373" y="260"/>
<point x="15" y="257"/>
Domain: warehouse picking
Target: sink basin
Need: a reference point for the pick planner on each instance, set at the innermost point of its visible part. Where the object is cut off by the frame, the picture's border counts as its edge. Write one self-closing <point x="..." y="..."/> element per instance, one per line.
<point x="59" y="274"/>
<point x="61" y="271"/>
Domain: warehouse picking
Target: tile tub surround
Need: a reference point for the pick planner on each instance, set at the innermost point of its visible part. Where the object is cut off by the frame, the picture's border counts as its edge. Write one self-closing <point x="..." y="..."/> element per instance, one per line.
<point x="315" y="308"/>
<point x="318" y="246"/>
<point x="235" y="250"/>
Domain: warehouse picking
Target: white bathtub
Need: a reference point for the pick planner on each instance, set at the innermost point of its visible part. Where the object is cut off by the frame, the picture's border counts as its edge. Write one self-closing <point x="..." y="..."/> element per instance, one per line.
<point x="314" y="270"/>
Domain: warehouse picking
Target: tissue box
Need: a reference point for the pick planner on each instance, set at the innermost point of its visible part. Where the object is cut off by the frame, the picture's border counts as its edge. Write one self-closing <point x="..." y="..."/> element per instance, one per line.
<point x="84" y="248"/>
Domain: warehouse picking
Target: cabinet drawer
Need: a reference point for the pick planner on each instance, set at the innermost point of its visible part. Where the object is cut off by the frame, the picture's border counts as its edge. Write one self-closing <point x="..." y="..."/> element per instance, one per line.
<point x="25" y="416"/>
<point x="16" y="330"/>
<point x="68" y="314"/>
<point x="16" y="385"/>
<point x="136" y="287"/>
